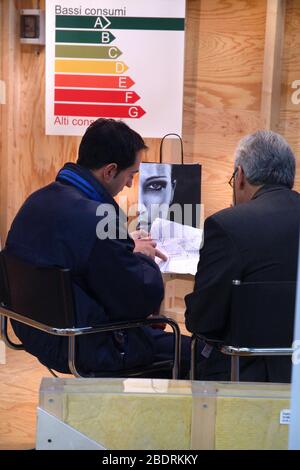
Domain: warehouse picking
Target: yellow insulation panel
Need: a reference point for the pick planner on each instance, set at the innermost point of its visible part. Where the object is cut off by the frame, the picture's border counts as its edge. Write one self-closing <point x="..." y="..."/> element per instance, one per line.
<point x="148" y="420"/>
<point x="250" y="423"/>
<point x="165" y="414"/>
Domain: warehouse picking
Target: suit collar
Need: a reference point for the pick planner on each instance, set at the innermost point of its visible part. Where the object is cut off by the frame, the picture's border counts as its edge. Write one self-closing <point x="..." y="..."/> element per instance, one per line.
<point x="269" y="188"/>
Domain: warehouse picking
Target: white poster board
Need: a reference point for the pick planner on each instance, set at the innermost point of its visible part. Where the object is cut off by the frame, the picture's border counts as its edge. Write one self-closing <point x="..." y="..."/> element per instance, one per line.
<point x="115" y="59"/>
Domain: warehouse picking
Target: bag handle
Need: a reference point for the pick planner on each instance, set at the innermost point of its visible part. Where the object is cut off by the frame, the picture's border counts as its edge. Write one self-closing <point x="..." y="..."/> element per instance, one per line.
<point x="161" y="146"/>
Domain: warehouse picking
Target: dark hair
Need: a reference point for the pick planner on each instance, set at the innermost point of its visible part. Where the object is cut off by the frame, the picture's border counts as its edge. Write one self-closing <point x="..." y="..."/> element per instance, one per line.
<point x="108" y="141"/>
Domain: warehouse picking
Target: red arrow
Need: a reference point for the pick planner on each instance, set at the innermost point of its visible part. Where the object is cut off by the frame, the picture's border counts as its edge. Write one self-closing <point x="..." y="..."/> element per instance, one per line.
<point x="93" y="81"/>
<point x="94" y="110"/>
<point x="96" y="96"/>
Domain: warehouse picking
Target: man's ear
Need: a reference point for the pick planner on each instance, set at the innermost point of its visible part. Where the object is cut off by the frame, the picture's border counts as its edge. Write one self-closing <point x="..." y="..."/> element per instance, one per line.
<point x="109" y="172"/>
<point x="240" y="178"/>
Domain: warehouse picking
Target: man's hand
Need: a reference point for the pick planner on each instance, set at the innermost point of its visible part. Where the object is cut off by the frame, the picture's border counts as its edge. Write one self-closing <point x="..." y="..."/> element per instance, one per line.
<point x="139" y="234"/>
<point x="145" y="245"/>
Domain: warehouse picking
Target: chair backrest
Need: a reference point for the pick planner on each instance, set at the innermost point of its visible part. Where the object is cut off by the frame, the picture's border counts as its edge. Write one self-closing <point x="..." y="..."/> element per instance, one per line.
<point x="262" y="314"/>
<point x="42" y="294"/>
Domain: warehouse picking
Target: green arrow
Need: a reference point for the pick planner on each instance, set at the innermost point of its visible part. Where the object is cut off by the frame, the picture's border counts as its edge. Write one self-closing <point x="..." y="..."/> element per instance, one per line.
<point x="101" y="22"/>
<point x="88" y="37"/>
<point x="113" y="22"/>
<point x="88" y="52"/>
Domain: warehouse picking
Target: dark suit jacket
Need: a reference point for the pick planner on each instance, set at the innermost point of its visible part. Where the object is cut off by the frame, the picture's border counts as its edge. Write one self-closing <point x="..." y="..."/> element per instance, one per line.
<point x="254" y="241"/>
<point x="56" y="226"/>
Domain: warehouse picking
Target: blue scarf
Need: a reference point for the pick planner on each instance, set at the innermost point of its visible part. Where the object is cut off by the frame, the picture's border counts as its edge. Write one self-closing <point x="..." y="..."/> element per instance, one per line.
<point x="86" y="182"/>
<point x="71" y="176"/>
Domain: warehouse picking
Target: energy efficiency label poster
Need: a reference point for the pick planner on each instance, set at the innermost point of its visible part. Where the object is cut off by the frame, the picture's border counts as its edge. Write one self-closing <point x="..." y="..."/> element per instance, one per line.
<point x="114" y="59"/>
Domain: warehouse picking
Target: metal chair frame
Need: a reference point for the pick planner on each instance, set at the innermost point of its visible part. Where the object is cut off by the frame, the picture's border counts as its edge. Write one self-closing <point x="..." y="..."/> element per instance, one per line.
<point x="233" y="351"/>
<point x="56" y="316"/>
<point x="72" y="333"/>
<point x="235" y="354"/>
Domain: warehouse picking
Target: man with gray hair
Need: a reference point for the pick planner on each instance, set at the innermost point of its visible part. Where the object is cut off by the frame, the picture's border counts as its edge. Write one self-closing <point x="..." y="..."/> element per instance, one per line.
<point x="255" y="240"/>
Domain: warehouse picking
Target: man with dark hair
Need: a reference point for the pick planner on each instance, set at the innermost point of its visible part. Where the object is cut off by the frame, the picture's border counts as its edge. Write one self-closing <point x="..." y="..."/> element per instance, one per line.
<point x="113" y="279"/>
<point x="107" y="140"/>
<point x="256" y="240"/>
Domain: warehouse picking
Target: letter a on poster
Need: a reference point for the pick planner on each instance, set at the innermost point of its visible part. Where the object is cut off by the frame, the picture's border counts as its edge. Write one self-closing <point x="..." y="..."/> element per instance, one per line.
<point x="121" y="59"/>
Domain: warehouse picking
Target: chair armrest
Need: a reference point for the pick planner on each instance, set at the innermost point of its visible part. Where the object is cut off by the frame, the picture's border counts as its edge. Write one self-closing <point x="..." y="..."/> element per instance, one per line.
<point x="235" y="351"/>
<point x="104" y="327"/>
<point x="122" y="325"/>
<point x="125" y="325"/>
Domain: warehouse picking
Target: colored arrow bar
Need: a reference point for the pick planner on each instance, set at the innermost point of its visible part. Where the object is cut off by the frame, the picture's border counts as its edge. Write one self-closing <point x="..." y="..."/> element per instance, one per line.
<point x="118" y="22"/>
<point x="93" y="81"/>
<point x="94" y="110"/>
<point x="88" y="52"/>
<point x="89" y="66"/>
<point x="96" y="96"/>
<point x="102" y="22"/>
<point x="88" y="37"/>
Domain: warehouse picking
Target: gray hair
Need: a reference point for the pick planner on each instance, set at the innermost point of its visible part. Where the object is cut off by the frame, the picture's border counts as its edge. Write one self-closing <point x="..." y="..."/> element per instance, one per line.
<point x="266" y="158"/>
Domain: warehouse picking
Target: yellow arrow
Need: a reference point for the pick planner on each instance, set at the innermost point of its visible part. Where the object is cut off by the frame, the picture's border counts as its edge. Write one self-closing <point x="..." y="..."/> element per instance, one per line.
<point x="90" y="66"/>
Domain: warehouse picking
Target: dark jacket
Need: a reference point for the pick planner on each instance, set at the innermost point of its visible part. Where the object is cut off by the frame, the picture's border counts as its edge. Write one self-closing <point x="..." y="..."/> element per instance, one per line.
<point x="254" y="241"/>
<point x="57" y="226"/>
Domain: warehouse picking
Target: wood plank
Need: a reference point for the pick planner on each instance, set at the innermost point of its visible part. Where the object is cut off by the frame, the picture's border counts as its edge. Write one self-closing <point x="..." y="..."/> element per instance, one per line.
<point x="271" y="86"/>
<point x="8" y="120"/>
<point x="203" y="422"/>
<point x="224" y="54"/>
<point x="20" y="380"/>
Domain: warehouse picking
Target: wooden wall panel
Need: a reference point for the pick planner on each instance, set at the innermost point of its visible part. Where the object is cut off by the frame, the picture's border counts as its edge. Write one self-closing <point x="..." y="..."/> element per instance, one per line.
<point x="289" y="124"/>
<point x="8" y="139"/>
<point x="272" y="71"/>
<point x="30" y="158"/>
<point x="222" y="96"/>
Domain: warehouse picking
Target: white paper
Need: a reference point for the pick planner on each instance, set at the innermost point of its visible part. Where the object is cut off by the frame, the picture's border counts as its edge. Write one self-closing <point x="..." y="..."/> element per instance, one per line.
<point x="285" y="417"/>
<point x="180" y="243"/>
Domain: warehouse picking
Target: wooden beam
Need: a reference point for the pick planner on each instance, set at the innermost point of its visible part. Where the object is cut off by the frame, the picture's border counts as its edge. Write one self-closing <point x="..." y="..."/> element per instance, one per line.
<point x="9" y="111"/>
<point x="271" y="87"/>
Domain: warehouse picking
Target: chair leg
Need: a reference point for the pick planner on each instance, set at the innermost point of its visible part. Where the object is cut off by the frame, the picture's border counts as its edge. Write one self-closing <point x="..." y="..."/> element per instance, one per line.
<point x="71" y="357"/>
<point x="52" y="372"/>
<point x="235" y="369"/>
<point x="177" y="349"/>
<point x="4" y="335"/>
